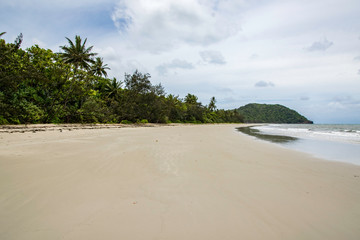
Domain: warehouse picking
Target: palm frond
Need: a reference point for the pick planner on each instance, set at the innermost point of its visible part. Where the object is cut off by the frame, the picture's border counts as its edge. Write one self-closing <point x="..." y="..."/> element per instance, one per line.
<point x="77" y="54"/>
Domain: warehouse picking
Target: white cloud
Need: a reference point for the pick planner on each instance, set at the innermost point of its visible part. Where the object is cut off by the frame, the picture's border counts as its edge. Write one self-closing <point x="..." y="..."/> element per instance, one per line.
<point x="254" y="56"/>
<point x="174" y="64"/>
<point x="166" y="24"/>
<point x="320" y="45"/>
<point x="109" y="53"/>
<point x="212" y="57"/>
<point x="343" y="102"/>
<point x="225" y="90"/>
<point x="264" y="84"/>
<point x="132" y="65"/>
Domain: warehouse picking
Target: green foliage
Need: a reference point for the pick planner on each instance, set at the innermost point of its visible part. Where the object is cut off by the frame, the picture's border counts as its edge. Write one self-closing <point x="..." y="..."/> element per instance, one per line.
<point x="143" y="121"/>
<point x="126" y="122"/>
<point x="78" y="54"/>
<point x="112" y="88"/>
<point x="3" y="121"/>
<point x="191" y="99"/>
<point x="138" y="83"/>
<point x="99" y="68"/>
<point x="212" y="106"/>
<point x="94" y="110"/>
<point x="40" y="86"/>
<point x="263" y="113"/>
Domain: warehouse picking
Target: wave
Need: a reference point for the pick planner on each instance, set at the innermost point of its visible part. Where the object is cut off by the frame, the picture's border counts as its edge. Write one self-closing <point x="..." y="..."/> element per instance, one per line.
<point x="348" y="133"/>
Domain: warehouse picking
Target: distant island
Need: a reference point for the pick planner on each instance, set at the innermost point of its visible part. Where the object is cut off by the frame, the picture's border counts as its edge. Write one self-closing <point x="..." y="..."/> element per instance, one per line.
<point x="270" y="113"/>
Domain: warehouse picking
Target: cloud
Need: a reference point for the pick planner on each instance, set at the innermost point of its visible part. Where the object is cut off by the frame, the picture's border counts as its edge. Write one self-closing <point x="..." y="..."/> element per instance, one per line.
<point x="133" y="65"/>
<point x="320" y="46"/>
<point x="254" y="56"/>
<point x="162" y="25"/>
<point x="121" y="18"/>
<point x="304" y="98"/>
<point x="359" y="71"/>
<point x="357" y="58"/>
<point x="107" y="52"/>
<point x="38" y="20"/>
<point x="212" y="57"/>
<point x="343" y="102"/>
<point x="174" y="64"/>
<point x="225" y="90"/>
<point x="264" y="84"/>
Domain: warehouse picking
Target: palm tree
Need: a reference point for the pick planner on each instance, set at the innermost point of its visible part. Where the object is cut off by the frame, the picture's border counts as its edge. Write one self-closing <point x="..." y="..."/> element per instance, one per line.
<point x="77" y="54"/>
<point x="99" y="68"/>
<point x="212" y="106"/>
<point x="2" y="33"/>
<point x="112" y="88"/>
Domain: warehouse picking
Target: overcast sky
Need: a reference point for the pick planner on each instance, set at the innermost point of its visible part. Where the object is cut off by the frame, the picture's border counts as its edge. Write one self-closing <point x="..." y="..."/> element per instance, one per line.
<point x="304" y="54"/>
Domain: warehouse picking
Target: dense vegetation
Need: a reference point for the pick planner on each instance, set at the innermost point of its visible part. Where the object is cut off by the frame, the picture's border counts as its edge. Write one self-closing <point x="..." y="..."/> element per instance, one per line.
<point x="40" y="86"/>
<point x="264" y="113"/>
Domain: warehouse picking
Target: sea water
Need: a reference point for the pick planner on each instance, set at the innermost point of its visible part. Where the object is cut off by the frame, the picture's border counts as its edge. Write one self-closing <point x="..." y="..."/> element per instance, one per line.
<point x="333" y="142"/>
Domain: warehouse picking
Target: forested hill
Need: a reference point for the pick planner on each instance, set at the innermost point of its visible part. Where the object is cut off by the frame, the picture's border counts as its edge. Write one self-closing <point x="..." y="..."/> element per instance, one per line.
<point x="266" y="113"/>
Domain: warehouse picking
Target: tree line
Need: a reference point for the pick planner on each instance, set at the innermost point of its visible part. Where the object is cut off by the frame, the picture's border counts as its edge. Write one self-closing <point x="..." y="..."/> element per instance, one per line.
<point x="38" y="85"/>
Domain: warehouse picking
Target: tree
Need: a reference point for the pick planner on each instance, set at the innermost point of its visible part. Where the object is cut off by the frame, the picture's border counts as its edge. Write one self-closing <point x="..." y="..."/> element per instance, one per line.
<point x="11" y="62"/>
<point x="191" y="99"/>
<point x="12" y="47"/>
<point x="158" y="90"/>
<point x="194" y="110"/>
<point x="18" y="41"/>
<point x="77" y="54"/>
<point x="138" y="82"/>
<point x="112" y="88"/>
<point x="176" y="108"/>
<point x="48" y="76"/>
<point x="99" y="68"/>
<point x="40" y="86"/>
<point x="212" y="106"/>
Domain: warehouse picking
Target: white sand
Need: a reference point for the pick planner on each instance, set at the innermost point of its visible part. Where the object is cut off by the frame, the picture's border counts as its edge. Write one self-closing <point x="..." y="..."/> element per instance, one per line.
<point x="179" y="182"/>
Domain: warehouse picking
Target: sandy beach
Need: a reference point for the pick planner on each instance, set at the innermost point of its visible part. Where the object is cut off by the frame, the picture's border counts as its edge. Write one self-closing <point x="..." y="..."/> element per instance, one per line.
<point x="170" y="182"/>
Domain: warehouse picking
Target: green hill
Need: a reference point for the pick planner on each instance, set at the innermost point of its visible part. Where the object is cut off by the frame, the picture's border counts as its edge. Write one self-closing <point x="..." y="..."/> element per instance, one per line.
<point x="266" y="113"/>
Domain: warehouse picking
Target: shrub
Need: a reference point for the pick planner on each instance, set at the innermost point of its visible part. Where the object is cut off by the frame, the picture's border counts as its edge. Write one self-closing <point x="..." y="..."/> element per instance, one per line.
<point x="125" y="122"/>
<point x="3" y="121"/>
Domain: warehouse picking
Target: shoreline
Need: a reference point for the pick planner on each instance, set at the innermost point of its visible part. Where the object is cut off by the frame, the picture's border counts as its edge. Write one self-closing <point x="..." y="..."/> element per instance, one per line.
<point x="23" y="128"/>
<point x="330" y="149"/>
<point x="171" y="182"/>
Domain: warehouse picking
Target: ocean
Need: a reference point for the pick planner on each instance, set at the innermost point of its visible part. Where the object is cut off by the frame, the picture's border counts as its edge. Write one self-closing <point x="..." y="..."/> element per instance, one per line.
<point x="335" y="142"/>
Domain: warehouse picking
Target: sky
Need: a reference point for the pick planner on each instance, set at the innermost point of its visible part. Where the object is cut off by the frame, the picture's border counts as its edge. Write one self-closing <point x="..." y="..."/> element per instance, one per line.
<point x="303" y="54"/>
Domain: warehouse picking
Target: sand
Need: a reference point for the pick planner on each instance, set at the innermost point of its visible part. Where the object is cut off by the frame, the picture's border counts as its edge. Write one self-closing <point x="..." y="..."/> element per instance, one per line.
<point x="171" y="182"/>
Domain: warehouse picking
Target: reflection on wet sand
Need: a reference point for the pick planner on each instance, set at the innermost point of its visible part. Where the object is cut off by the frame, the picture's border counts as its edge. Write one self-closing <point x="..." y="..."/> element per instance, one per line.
<point x="272" y="138"/>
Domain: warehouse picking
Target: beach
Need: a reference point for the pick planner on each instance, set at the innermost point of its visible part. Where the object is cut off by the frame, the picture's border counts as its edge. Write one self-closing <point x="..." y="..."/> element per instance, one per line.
<point x="170" y="182"/>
